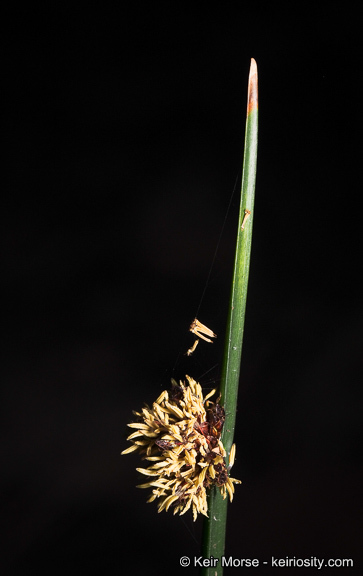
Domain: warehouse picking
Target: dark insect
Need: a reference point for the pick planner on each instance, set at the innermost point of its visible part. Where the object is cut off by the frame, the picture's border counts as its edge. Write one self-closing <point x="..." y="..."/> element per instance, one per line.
<point x="221" y="474"/>
<point x="216" y="417"/>
<point x="176" y="393"/>
<point x="211" y="428"/>
<point x="164" y="444"/>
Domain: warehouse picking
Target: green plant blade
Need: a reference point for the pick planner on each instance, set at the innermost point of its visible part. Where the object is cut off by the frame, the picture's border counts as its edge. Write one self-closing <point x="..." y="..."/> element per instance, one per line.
<point x="214" y="529"/>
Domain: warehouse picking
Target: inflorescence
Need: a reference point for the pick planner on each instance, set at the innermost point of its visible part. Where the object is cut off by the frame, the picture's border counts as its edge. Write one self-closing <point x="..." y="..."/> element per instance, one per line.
<point x="181" y="436"/>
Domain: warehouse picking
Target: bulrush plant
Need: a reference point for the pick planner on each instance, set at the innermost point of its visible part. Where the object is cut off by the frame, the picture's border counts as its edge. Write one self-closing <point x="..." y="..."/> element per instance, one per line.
<point x="185" y="436"/>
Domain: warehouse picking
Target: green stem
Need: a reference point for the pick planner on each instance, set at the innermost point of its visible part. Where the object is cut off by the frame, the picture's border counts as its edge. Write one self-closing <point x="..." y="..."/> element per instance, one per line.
<point x="214" y="529"/>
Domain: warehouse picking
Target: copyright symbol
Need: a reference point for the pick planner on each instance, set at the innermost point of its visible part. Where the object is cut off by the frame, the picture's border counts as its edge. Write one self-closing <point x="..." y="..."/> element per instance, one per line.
<point x="184" y="561"/>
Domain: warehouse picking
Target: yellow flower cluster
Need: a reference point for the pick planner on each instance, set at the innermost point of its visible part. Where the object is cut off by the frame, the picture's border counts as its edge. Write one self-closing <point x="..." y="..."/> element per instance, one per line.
<point x="180" y="434"/>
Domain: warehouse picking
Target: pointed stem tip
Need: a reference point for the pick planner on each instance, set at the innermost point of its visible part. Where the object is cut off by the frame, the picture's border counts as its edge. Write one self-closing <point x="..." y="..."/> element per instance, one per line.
<point x="252" y="100"/>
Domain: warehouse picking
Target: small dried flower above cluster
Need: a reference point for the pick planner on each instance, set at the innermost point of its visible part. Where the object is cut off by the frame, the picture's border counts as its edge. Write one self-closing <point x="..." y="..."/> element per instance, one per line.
<point x="201" y="331"/>
<point x="180" y="435"/>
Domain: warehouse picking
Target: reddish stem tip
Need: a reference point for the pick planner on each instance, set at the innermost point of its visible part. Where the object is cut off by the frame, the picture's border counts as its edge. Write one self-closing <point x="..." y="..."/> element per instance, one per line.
<point x="252" y="100"/>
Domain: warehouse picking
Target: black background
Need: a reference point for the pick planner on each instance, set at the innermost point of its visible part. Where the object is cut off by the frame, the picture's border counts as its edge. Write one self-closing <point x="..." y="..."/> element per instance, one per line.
<point x="124" y="137"/>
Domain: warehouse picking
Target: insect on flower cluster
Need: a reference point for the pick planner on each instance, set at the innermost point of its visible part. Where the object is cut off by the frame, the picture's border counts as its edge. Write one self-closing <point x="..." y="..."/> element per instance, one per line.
<point x="181" y="436"/>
